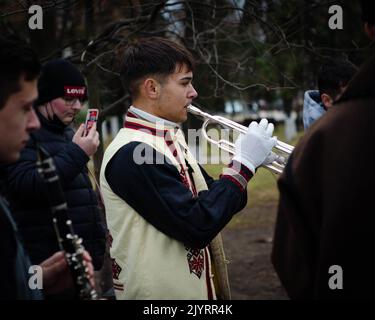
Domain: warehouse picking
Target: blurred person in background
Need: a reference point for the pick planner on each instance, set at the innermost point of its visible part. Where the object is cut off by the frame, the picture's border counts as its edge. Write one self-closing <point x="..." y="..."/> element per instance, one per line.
<point x="325" y="224"/>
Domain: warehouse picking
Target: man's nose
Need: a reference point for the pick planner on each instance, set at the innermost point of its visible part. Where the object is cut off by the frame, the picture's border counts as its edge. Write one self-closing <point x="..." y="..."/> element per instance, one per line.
<point x="193" y="93"/>
<point x="33" y="122"/>
<point x="77" y="105"/>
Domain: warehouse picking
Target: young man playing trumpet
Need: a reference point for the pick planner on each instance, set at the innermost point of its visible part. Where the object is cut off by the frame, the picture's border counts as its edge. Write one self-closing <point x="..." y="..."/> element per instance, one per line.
<point x="163" y="211"/>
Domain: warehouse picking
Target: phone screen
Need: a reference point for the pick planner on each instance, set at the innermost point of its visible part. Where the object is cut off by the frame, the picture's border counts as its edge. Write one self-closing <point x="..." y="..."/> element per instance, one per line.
<point x="91" y="118"/>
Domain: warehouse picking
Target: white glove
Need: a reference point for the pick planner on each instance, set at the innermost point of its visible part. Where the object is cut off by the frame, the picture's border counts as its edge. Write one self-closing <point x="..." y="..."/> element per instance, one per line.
<point x="274" y="157"/>
<point x="270" y="158"/>
<point x="252" y="148"/>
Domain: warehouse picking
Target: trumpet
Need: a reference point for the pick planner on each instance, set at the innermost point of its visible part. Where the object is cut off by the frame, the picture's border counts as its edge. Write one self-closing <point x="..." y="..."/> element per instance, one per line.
<point x="281" y="151"/>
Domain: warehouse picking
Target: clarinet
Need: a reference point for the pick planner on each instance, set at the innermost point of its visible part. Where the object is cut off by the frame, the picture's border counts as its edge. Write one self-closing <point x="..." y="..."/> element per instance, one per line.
<point x="68" y="240"/>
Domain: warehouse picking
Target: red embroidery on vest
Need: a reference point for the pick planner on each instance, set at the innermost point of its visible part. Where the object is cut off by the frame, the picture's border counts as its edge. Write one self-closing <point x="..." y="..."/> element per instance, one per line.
<point x="116" y="269"/>
<point x="193" y="187"/>
<point x="119" y="287"/>
<point x="195" y="260"/>
<point x="137" y="126"/>
<point x="110" y="239"/>
<point x="184" y="177"/>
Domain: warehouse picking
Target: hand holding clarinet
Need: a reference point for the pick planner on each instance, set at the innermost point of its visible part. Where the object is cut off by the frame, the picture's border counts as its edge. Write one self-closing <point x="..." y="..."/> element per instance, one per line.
<point x="73" y="259"/>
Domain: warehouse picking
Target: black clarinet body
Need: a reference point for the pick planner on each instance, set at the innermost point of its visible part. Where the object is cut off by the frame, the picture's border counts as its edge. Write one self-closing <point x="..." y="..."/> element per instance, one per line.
<point x="68" y="241"/>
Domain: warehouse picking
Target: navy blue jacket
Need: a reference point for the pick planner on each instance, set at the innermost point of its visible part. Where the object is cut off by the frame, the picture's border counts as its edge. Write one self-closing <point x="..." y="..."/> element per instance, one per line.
<point x="28" y="197"/>
<point x="14" y="264"/>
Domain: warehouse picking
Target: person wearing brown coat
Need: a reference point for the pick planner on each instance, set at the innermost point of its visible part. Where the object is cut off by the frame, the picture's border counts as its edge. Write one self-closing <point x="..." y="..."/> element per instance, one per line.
<point x="324" y="234"/>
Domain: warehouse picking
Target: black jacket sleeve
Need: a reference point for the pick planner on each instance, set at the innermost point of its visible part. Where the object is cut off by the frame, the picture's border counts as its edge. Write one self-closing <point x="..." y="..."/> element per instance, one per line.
<point x="156" y="192"/>
<point x="24" y="180"/>
<point x="207" y="177"/>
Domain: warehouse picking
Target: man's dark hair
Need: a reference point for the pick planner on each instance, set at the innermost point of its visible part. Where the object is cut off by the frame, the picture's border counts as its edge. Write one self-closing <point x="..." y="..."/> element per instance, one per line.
<point x="368" y="11"/>
<point x="16" y="59"/>
<point x="334" y="75"/>
<point x="152" y="56"/>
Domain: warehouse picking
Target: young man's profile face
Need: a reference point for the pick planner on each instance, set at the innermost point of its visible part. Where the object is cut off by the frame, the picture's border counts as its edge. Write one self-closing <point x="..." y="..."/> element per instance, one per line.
<point x="176" y="93"/>
<point x="18" y="119"/>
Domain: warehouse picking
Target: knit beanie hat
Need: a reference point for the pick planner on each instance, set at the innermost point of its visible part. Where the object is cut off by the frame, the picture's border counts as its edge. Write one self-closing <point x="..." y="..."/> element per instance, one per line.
<point x="60" y="78"/>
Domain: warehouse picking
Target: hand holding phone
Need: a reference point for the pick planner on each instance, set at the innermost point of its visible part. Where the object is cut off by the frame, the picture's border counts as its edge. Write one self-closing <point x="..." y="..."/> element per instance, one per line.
<point x="88" y="140"/>
<point x="91" y="118"/>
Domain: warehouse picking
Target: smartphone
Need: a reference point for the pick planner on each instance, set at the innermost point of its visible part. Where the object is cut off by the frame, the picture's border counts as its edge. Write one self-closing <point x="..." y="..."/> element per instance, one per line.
<point x="91" y="118"/>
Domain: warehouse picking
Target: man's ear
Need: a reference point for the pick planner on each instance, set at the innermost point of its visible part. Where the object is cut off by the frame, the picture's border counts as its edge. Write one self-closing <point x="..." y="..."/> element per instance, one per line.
<point x="327" y="100"/>
<point x="370" y="30"/>
<point x="152" y="88"/>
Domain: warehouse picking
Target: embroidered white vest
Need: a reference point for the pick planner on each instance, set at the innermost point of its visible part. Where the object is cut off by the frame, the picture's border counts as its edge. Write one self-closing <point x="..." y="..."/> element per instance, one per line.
<point x="146" y="263"/>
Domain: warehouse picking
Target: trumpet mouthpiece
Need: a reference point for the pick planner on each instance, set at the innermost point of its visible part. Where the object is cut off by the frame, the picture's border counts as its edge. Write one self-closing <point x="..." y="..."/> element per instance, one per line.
<point x="194" y="110"/>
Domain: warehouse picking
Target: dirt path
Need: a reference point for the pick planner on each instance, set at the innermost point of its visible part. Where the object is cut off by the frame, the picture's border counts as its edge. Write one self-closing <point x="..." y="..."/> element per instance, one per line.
<point x="248" y="244"/>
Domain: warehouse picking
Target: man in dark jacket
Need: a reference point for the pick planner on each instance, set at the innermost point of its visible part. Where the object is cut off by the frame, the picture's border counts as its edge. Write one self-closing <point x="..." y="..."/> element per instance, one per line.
<point x="324" y="233"/>
<point x="19" y="70"/>
<point x="62" y="90"/>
